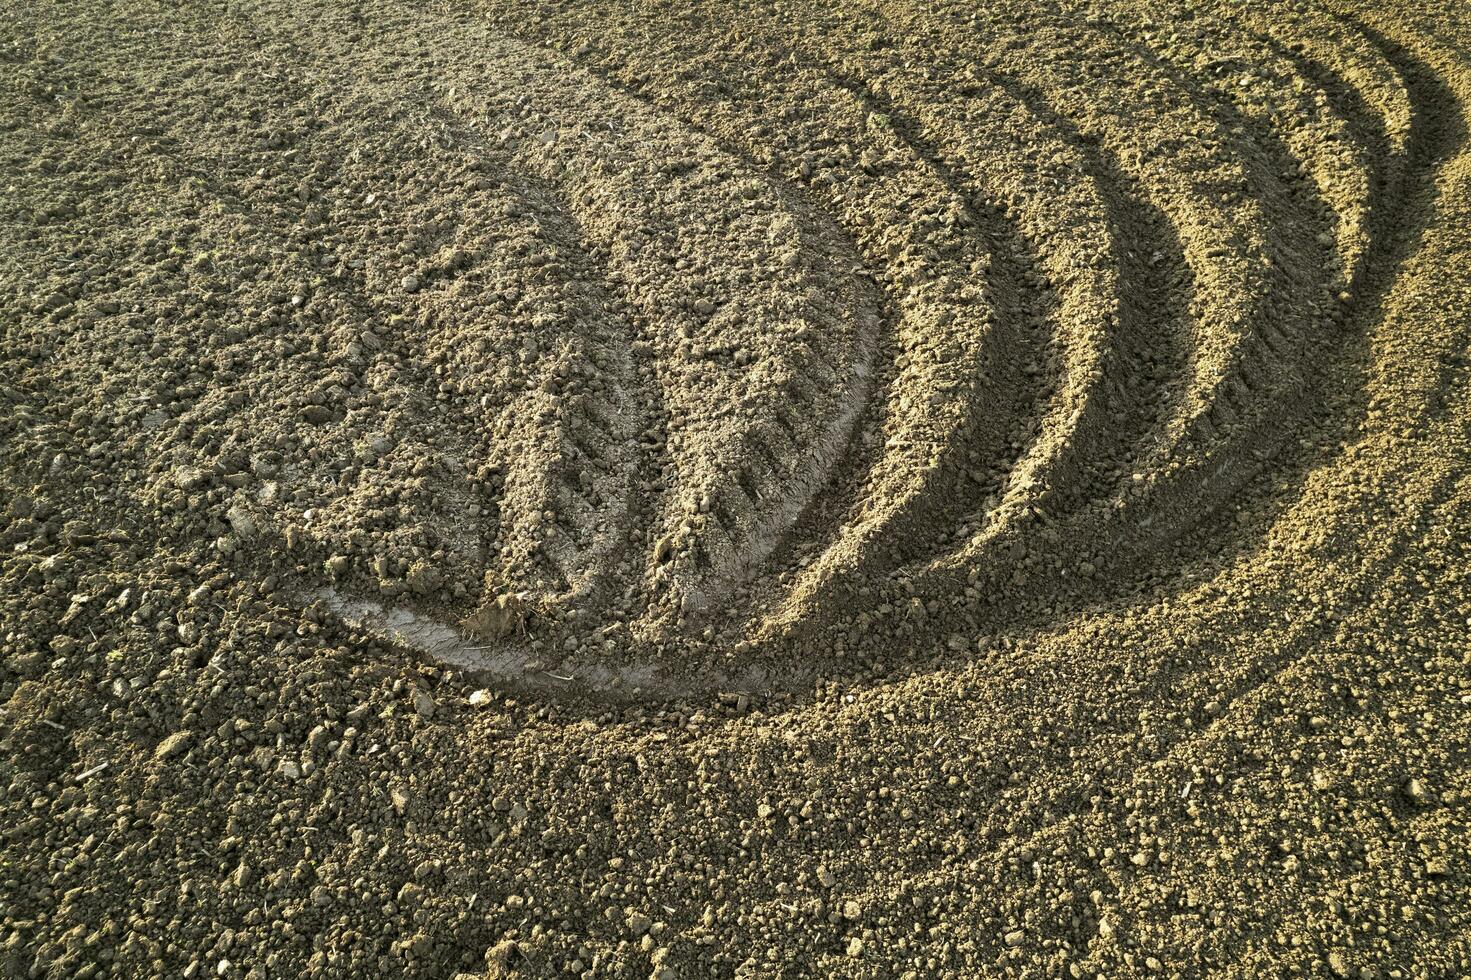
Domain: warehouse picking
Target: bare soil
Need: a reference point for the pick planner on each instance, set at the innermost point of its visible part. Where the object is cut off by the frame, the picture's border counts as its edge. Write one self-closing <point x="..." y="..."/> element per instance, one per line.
<point x="897" y="489"/>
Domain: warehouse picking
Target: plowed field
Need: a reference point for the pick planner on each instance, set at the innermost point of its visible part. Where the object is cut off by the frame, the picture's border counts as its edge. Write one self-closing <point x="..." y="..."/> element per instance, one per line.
<point x="776" y="489"/>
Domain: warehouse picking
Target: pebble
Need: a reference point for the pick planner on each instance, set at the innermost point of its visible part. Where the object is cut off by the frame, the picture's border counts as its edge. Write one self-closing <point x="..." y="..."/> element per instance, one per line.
<point x="410" y="284"/>
<point x="174" y="745"/>
<point x="243" y="524"/>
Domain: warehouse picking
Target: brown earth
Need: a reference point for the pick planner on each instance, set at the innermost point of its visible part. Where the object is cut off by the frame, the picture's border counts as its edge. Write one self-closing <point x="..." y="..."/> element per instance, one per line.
<point x="711" y="489"/>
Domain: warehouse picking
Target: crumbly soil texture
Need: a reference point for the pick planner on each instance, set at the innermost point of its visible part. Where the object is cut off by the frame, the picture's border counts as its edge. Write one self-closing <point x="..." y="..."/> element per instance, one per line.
<point x="904" y="488"/>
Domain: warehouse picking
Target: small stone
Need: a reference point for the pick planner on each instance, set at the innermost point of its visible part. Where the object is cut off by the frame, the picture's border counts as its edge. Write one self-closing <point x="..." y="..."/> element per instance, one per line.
<point x="174" y="745"/>
<point x="243" y="524"/>
<point x="480" y="698"/>
<point x="1015" y="938"/>
<point x="316" y="414"/>
<point x="410" y="284"/>
<point x="1416" y="790"/>
<point x="424" y="705"/>
<point x="638" y="923"/>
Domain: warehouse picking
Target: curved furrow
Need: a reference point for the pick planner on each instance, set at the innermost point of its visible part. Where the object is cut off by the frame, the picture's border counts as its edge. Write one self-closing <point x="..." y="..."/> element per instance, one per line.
<point x="960" y="389"/>
<point x="1365" y="75"/>
<point x="1247" y="281"/>
<point x="564" y="500"/>
<point x="1098" y="323"/>
<point x="1336" y="133"/>
<point x="993" y="304"/>
<point x="759" y="337"/>
<point x="1250" y="274"/>
<point x="1118" y="259"/>
<point x="1058" y="459"/>
<point x="1347" y="176"/>
<point x="931" y="499"/>
<point x="1184" y="306"/>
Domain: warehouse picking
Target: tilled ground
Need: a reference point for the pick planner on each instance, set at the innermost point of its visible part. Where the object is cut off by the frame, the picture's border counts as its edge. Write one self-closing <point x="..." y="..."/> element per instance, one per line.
<point x="710" y="489"/>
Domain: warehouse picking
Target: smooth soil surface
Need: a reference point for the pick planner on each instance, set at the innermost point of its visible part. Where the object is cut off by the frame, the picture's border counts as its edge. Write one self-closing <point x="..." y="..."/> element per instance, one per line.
<point x="778" y="489"/>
